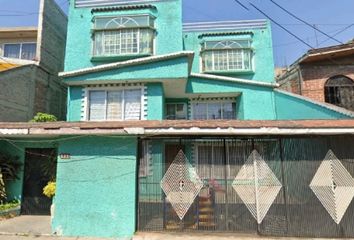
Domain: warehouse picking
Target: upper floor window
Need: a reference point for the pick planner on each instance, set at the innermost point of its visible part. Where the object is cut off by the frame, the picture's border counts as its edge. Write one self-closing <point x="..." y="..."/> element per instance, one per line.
<point x="339" y="90"/>
<point x="214" y="110"/>
<point x="176" y="111"/>
<point x="230" y="55"/>
<point x="20" y="50"/>
<point x="114" y="105"/>
<point x="128" y="35"/>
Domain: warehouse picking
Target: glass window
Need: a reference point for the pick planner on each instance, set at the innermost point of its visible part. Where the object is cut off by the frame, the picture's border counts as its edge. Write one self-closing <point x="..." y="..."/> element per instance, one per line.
<point x="20" y="50"/>
<point x="97" y="105"/>
<point x="214" y="110"/>
<point x="227" y="55"/>
<point x="123" y="35"/>
<point x="176" y="111"/>
<point x="28" y="51"/>
<point x="115" y="105"/>
<point x="12" y="50"/>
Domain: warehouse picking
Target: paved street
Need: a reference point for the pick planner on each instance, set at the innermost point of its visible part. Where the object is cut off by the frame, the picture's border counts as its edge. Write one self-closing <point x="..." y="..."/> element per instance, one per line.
<point x="38" y="228"/>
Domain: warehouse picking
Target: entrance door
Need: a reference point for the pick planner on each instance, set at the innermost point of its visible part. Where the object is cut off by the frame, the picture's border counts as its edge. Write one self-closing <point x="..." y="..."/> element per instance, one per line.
<point x="40" y="168"/>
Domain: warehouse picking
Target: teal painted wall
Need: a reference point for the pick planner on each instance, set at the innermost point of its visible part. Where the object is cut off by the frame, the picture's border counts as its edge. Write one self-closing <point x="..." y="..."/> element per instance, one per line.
<point x="289" y="107"/>
<point x="263" y="65"/>
<point x="256" y="102"/>
<point x="96" y="187"/>
<point x="79" y="38"/>
<point x="156" y="101"/>
<point x="75" y="99"/>
<point x="173" y="68"/>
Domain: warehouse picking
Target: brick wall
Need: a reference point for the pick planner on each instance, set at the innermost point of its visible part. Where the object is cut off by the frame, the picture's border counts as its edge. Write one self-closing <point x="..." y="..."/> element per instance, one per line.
<point x="316" y="76"/>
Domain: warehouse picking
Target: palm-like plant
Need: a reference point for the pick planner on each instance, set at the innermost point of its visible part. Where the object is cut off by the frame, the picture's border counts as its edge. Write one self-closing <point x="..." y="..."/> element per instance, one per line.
<point x="9" y="168"/>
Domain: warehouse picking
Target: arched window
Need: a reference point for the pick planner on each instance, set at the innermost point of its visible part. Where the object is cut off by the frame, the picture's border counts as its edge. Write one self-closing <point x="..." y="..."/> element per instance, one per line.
<point x="339" y="90"/>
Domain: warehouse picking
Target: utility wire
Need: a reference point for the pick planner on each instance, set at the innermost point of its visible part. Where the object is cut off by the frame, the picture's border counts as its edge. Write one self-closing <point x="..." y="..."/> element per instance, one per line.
<point x="281" y="26"/>
<point x="339" y="32"/>
<point x="303" y="21"/>
<point x="242" y="5"/>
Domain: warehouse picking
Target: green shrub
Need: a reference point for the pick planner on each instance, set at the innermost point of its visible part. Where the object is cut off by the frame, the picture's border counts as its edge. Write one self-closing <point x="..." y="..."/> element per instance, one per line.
<point x="44" y="117"/>
<point x="9" y="205"/>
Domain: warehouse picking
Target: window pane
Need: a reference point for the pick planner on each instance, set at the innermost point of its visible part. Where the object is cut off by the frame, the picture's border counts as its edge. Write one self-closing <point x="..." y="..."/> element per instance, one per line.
<point x="171" y="111"/>
<point x="200" y="111"/>
<point x="235" y="59"/>
<point x="129" y="41"/>
<point x="208" y="61"/>
<point x="146" y="41"/>
<point x="181" y="111"/>
<point x="132" y="105"/>
<point x="247" y="55"/>
<point x="220" y="60"/>
<point x="214" y="111"/>
<point x="97" y="101"/>
<point x="28" y="51"/>
<point x="229" y="110"/>
<point x="12" y="50"/>
<point x="121" y="22"/>
<point x="114" y="105"/>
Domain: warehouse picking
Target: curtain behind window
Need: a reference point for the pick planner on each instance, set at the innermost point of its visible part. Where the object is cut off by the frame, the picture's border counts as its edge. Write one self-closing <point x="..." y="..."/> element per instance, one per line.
<point x="12" y="50"/>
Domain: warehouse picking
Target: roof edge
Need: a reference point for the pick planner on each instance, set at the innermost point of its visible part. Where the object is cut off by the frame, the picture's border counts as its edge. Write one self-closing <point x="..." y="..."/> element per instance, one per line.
<point x="322" y="104"/>
<point x="132" y="62"/>
<point x="236" y="80"/>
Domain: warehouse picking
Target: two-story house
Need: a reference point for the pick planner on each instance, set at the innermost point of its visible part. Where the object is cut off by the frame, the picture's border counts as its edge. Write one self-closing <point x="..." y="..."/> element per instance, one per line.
<point x="30" y="59"/>
<point x="181" y="127"/>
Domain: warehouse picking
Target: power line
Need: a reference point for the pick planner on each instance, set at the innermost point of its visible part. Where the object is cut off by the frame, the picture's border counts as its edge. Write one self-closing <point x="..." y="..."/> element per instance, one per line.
<point x="339" y="32"/>
<point x="303" y="21"/>
<point x="242" y="5"/>
<point x="281" y="26"/>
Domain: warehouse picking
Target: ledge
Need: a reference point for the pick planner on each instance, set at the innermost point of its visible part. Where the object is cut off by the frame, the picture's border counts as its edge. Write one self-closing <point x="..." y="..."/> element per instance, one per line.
<point x="118" y="57"/>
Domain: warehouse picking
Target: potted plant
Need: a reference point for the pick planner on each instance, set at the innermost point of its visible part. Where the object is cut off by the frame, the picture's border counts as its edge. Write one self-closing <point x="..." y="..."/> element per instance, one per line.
<point x="49" y="191"/>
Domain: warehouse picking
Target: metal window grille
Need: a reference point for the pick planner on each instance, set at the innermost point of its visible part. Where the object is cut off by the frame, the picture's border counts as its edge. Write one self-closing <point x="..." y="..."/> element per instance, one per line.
<point x="339" y="90"/>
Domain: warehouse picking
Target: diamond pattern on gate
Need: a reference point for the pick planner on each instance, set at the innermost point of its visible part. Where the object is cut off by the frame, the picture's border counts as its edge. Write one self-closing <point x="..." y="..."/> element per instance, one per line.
<point x="181" y="184"/>
<point x="257" y="186"/>
<point x="333" y="186"/>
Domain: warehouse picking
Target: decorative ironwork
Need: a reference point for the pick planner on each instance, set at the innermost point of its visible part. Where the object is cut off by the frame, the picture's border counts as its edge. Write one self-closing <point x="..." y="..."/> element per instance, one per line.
<point x="257" y="186"/>
<point x="181" y="184"/>
<point x="333" y="186"/>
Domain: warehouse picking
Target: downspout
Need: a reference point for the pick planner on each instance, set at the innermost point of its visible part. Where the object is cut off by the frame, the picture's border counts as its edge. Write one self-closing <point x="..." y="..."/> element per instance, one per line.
<point x="300" y="79"/>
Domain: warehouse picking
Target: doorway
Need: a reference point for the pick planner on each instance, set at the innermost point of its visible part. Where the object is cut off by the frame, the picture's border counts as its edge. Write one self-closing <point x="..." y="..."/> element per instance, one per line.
<point x="39" y="169"/>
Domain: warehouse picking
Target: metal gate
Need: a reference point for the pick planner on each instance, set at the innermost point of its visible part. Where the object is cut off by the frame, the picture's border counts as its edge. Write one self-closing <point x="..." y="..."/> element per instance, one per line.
<point x="269" y="186"/>
<point x="40" y="167"/>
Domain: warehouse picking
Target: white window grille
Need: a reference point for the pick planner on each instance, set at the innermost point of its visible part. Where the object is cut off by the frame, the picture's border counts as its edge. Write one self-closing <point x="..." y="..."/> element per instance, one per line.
<point x="227" y="56"/>
<point x="213" y="110"/>
<point x="114" y="105"/>
<point x="114" y="36"/>
<point x="20" y="50"/>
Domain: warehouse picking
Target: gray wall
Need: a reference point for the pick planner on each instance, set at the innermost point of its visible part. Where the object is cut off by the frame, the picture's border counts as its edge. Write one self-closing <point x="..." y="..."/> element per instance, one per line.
<point x="29" y="89"/>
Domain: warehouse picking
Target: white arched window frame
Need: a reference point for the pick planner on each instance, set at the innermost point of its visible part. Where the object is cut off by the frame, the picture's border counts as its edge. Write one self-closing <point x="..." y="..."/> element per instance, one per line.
<point x="227" y="55"/>
<point x="124" y="35"/>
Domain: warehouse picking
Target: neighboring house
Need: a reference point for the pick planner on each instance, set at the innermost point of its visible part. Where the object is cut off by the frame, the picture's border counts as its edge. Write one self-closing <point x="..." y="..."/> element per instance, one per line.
<point x="181" y="127"/>
<point x="323" y="74"/>
<point x="30" y="59"/>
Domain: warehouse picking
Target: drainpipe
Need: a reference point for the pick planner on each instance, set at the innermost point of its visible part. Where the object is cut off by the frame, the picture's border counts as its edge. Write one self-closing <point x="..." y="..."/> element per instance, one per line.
<point x="300" y="79"/>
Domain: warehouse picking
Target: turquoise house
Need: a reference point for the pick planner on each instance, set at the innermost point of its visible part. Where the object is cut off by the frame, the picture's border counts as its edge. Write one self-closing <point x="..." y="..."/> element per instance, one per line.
<point x="168" y="124"/>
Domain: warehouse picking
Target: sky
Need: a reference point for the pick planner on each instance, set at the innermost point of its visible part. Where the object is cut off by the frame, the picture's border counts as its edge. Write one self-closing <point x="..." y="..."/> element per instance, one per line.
<point x="334" y="17"/>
